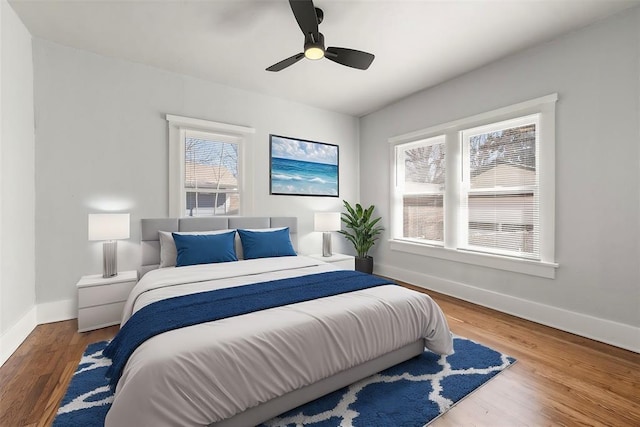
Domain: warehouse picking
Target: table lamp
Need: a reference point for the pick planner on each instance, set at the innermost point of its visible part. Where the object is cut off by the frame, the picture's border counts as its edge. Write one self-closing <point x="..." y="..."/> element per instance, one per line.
<point x="326" y="222"/>
<point x="110" y="228"/>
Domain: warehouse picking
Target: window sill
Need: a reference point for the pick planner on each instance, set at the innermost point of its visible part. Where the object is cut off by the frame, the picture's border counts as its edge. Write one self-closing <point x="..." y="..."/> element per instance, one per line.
<point x="530" y="267"/>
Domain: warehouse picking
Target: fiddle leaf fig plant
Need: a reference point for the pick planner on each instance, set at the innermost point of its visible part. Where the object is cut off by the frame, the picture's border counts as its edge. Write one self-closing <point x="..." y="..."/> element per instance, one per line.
<point x="362" y="229"/>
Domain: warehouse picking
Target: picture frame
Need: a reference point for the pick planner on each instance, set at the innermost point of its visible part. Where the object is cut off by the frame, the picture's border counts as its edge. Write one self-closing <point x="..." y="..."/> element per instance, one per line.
<point x="299" y="167"/>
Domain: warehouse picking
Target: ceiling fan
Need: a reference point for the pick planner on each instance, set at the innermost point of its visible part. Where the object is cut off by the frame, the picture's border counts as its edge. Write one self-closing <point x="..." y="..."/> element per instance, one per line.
<point x="308" y="17"/>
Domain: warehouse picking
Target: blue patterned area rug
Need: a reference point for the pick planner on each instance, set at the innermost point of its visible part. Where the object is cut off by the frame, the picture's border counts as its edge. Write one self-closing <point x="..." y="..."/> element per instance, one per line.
<point x="413" y="393"/>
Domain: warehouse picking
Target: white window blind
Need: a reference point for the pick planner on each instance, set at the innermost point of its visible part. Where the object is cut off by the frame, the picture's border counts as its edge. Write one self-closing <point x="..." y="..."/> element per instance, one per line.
<point x="500" y="210"/>
<point x="206" y="166"/>
<point x="211" y="172"/>
<point x="420" y="182"/>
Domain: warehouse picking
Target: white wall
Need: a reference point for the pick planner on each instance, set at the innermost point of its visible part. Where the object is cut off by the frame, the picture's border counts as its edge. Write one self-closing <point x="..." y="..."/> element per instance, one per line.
<point x="17" y="185"/>
<point x="102" y="143"/>
<point x="596" y="73"/>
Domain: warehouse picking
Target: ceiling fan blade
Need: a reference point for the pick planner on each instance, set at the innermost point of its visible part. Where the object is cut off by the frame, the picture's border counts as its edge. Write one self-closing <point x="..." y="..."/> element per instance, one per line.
<point x="349" y="57"/>
<point x="286" y="62"/>
<point x="305" y="13"/>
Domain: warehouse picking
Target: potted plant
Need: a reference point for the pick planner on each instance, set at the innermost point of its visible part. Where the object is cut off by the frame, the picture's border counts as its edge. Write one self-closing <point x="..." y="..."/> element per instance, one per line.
<point x="362" y="231"/>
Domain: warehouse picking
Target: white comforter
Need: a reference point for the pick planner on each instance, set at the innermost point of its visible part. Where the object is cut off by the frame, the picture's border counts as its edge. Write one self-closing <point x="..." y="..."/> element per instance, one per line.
<point x="212" y="371"/>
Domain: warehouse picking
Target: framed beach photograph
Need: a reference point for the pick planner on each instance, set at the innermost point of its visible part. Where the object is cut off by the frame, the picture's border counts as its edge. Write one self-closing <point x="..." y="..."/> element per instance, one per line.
<point x="303" y="168"/>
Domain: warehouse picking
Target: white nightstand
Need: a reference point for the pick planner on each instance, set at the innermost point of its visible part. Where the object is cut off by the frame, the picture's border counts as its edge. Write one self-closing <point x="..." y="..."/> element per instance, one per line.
<point x="347" y="262"/>
<point x="101" y="301"/>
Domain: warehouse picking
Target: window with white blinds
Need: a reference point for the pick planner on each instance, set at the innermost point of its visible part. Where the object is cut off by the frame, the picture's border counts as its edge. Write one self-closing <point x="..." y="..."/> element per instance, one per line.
<point x="500" y="210"/>
<point x="421" y="186"/>
<point x="211" y="174"/>
<point x="479" y="190"/>
<point x="205" y="167"/>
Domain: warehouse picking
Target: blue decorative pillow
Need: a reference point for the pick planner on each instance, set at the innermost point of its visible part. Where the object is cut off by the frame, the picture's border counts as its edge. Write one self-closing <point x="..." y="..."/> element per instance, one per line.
<point x="264" y="244"/>
<point x="204" y="248"/>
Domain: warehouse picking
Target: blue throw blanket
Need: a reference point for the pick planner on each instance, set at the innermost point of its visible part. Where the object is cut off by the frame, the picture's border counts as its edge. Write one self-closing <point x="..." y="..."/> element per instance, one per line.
<point x="187" y="310"/>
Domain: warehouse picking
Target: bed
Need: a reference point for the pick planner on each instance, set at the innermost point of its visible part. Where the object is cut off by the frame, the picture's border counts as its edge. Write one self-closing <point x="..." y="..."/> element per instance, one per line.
<point x="246" y="369"/>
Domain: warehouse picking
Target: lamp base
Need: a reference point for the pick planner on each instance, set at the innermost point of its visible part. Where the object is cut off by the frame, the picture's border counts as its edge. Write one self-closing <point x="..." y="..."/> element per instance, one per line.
<point x="326" y="244"/>
<point x="110" y="259"/>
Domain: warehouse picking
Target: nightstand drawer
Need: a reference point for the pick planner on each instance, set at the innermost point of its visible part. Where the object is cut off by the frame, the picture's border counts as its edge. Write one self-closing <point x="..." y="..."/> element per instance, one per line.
<point x="104" y="294"/>
<point x="99" y="316"/>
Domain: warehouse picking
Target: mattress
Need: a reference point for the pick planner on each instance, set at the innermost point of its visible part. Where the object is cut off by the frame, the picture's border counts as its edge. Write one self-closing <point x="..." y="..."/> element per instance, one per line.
<point x="209" y="372"/>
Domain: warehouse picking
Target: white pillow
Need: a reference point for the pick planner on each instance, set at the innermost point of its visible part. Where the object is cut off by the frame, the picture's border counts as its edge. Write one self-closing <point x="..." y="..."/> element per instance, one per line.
<point x="168" y="251"/>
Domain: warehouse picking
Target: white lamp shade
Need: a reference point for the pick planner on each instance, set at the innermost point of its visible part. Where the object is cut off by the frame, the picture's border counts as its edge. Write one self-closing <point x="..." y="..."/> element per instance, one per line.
<point x="326" y="221"/>
<point x="108" y="226"/>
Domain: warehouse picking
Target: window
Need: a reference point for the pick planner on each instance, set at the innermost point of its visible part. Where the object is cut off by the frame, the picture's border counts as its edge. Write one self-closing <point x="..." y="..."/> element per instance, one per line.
<point x="211" y="174"/>
<point x="421" y="185"/>
<point x="479" y="190"/>
<point x="205" y="167"/>
<point x="499" y="190"/>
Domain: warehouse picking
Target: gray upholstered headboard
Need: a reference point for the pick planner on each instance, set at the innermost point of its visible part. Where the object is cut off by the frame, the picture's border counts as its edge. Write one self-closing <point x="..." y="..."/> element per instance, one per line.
<point x="150" y="227"/>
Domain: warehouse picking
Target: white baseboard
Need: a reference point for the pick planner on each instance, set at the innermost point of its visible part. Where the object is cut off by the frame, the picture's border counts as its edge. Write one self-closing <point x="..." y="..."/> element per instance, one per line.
<point x="57" y="311"/>
<point x="607" y="331"/>
<point x="11" y="339"/>
<point x="42" y="313"/>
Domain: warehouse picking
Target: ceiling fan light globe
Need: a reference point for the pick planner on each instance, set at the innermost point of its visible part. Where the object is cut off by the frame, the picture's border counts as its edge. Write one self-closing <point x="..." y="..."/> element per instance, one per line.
<point x="314" y="52"/>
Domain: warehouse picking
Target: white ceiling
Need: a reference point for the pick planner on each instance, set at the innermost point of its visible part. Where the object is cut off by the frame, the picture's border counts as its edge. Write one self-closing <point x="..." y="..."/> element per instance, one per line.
<point x="417" y="44"/>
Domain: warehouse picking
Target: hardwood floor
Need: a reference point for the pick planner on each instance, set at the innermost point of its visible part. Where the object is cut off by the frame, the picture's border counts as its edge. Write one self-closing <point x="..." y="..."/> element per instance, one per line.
<point x="560" y="379"/>
<point x="35" y="378"/>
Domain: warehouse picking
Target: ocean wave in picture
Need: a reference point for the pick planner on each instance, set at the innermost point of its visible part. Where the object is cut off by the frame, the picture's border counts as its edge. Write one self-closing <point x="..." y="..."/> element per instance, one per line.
<point x="289" y="176"/>
<point x="320" y="180"/>
<point x="281" y="177"/>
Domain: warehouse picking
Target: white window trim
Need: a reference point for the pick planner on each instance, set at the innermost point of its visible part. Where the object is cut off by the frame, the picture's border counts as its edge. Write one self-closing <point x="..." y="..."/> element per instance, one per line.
<point x="396" y="206"/>
<point x="179" y="126"/>
<point x="546" y="266"/>
<point x="466" y="191"/>
<point x="517" y="265"/>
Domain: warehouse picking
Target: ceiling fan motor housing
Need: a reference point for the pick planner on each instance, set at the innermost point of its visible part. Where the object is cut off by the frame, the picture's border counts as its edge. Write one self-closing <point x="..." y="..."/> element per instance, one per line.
<point x="314" y="46"/>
